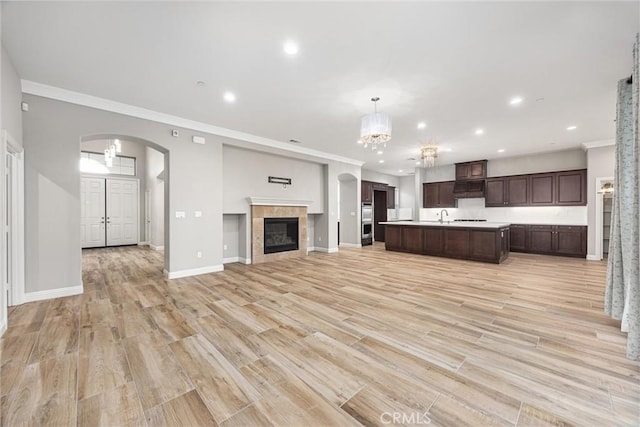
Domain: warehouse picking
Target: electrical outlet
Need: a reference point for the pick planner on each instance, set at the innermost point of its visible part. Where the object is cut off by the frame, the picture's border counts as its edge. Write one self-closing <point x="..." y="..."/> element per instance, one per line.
<point x="224" y="247"/>
<point x="319" y="238"/>
<point x="199" y="254"/>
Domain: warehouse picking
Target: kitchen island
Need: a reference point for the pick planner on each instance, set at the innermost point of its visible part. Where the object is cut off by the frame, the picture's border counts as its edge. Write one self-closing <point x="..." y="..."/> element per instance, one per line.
<point x="476" y="241"/>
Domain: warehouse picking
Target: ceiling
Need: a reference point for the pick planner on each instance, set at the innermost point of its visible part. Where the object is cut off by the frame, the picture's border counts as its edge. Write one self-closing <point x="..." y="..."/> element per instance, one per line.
<point x="452" y="65"/>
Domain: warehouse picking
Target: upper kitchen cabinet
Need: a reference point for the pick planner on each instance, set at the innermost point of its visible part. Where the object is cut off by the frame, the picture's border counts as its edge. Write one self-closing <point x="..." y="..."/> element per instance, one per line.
<point x="438" y="195"/>
<point x="471" y="170"/>
<point x="367" y="192"/>
<point x="571" y="188"/>
<point x="507" y="191"/>
<point x="567" y="188"/>
<point x="391" y="197"/>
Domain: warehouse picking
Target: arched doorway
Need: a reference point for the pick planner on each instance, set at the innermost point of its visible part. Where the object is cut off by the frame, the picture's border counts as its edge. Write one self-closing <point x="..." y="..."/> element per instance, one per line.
<point x="139" y="161"/>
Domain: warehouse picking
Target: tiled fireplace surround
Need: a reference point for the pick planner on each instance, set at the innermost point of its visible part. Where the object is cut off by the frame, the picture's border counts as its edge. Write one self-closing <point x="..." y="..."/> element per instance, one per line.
<point x="261" y="211"/>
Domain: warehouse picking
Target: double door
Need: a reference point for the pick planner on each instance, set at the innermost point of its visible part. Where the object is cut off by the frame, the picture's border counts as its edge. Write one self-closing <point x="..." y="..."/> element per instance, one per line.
<point x="109" y="212"/>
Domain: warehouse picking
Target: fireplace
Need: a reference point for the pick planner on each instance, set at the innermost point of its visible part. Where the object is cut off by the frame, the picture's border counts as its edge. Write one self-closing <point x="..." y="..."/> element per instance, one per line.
<point x="280" y="235"/>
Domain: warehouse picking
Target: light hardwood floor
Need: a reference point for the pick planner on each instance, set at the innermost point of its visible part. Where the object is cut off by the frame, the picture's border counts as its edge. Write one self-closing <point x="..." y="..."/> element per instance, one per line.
<point x="356" y="337"/>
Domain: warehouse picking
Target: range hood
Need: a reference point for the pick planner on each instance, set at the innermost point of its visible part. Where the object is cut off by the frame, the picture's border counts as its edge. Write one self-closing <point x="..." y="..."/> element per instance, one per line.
<point x="468" y="189"/>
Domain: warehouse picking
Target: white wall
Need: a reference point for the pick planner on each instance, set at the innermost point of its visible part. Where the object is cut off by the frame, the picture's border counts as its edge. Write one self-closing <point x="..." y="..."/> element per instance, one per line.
<point x="231" y="237"/>
<point x="129" y="149"/>
<point x="601" y="164"/>
<point x="349" y="205"/>
<point x="538" y="163"/>
<point x="368" y="175"/>
<point x="407" y="192"/>
<point x="52" y="133"/>
<point x="475" y="209"/>
<point x="155" y="187"/>
<point x="11" y="98"/>
<point x="245" y="174"/>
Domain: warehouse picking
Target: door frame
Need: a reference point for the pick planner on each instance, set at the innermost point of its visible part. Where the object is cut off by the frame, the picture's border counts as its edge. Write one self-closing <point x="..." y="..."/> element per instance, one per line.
<point x="16" y="289"/>
<point x="599" y="250"/>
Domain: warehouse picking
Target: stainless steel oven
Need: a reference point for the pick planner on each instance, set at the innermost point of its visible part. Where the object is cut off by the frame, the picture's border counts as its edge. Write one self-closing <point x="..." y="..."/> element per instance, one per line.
<point x="367" y="224"/>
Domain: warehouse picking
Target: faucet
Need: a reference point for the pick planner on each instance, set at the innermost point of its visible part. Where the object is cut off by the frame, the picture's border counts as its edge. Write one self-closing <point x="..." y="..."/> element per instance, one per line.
<point x="441" y="217"/>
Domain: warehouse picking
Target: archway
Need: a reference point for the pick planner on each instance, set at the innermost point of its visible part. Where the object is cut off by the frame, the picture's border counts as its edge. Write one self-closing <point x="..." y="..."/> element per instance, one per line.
<point x="349" y="198"/>
<point x="150" y="170"/>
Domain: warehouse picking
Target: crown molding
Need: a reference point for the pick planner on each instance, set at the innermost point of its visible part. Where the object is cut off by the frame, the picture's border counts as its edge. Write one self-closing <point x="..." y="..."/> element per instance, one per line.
<point x="59" y="94"/>
<point x="586" y="146"/>
<point x="272" y="201"/>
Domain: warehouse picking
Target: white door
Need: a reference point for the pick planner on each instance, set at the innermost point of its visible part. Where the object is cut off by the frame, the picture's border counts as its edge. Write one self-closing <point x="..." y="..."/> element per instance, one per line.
<point x="122" y="212"/>
<point x="92" y="212"/>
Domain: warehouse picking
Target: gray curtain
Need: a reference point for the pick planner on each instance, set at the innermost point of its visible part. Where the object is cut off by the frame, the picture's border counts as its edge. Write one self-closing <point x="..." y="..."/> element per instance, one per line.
<point x="622" y="294"/>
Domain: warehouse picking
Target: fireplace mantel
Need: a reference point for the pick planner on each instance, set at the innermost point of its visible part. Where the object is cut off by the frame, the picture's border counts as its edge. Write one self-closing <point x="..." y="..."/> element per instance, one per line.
<point x="272" y="201"/>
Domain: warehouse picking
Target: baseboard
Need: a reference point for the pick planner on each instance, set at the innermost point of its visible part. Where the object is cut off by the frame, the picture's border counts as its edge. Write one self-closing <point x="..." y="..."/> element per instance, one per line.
<point x="52" y="293"/>
<point x="326" y="250"/>
<point x="156" y="248"/>
<point x="143" y="243"/>
<point x="350" y="245"/>
<point x="593" y="258"/>
<point x="236" y="259"/>
<point x="193" y="272"/>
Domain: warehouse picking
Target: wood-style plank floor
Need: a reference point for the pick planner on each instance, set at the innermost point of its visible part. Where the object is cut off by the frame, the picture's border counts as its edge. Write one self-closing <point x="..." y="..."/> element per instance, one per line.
<point x="363" y="336"/>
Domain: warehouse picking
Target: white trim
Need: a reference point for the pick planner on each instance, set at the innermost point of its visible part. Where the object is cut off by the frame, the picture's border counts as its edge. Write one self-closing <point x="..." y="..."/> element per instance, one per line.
<point x="598" y="236"/>
<point x="326" y="250"/>
<point x="143" y="243"/>
<point x="593" y="258"/>
<point x="230" y="260"/>
<point x="350" y="245"/>
<point x="193" y="271"/>
<point x="246" y="261"/>
<point x="272" y="201"/>
<point x="156" y="248"/>
<point x="310" y="249"/>
<point x="52" y="293"/>
<point x="52" y="92"/>
<point x="596" y="144"/>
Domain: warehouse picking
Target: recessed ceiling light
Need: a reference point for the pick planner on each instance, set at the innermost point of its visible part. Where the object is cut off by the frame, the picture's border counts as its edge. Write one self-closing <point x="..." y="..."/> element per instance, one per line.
<point x="380" y="161"/>
<point x="422" y="125"/>
<point x="229" y="97"/>
<point x="572" y="127"/>
<point x="290" y="47"/>
<point x="446" y="150"/>
<point x="479" y="131"/>
<point x="516" y="100"/>
<point x="380" y="152"/>
<point x="400" y="170"/>
<point x="417" y="163"/>
<point x="501" y="150"/>
<point x="201" y="83"/>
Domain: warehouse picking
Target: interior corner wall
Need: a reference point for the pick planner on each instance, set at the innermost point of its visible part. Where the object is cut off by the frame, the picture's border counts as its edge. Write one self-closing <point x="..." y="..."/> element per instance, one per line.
<point x="52" y="133"/>
<point x="349" y="202"/>
<point x="11" y="98"/>
<point x="407" y="192"/>
<point x="231" y="237"/>
<point x="155" y="187"/>
<point x="600" y="164"/>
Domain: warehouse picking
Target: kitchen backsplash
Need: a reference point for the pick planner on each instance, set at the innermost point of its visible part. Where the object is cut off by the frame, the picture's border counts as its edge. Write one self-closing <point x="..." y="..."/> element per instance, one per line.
<point x="475" y="209"/>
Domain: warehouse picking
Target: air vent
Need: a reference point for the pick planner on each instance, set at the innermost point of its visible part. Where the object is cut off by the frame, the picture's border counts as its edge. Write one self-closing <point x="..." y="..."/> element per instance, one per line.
<point x="295" y="141"/>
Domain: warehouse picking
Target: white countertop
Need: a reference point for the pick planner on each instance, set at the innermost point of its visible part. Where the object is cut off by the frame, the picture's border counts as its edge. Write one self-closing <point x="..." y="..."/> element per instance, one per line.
<point x="459" y="224"/>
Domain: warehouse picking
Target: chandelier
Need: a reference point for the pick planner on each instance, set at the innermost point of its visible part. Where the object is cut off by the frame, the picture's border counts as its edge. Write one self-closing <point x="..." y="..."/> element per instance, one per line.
<point x="428" y="153"/>
<point x="375" y="128"/>
<point x="113" y="147"/>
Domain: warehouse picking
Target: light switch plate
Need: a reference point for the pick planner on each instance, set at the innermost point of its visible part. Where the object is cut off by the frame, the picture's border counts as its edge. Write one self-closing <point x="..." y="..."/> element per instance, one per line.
<point x="198" y="214"/>
<point x="180" y="214"/>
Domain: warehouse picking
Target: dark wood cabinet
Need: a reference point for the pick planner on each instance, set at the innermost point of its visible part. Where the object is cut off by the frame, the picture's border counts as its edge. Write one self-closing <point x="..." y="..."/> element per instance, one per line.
<point x="366" y="192"/>
<point x="495" y="192"/>
<point x="568" y="188"/>
<point x="391" y="197"/>
<point x="438" y="195"/>
<point x="476" y="244"/>
<point x="543" y="189"/>
<point x="566" y="240"/>
<point x="507" y="191"/>
<point x="518" y="238"/>
<point x="571" y="188"/>
<point x="476" y="170"/>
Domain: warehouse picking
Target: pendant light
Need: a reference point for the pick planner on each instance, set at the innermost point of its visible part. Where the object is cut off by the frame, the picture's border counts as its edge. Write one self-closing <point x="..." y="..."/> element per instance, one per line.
<point x="375" y="128"/>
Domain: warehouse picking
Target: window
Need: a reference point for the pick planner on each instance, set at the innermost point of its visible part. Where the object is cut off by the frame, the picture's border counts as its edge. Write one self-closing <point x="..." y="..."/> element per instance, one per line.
<point x="94" y="163"/>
